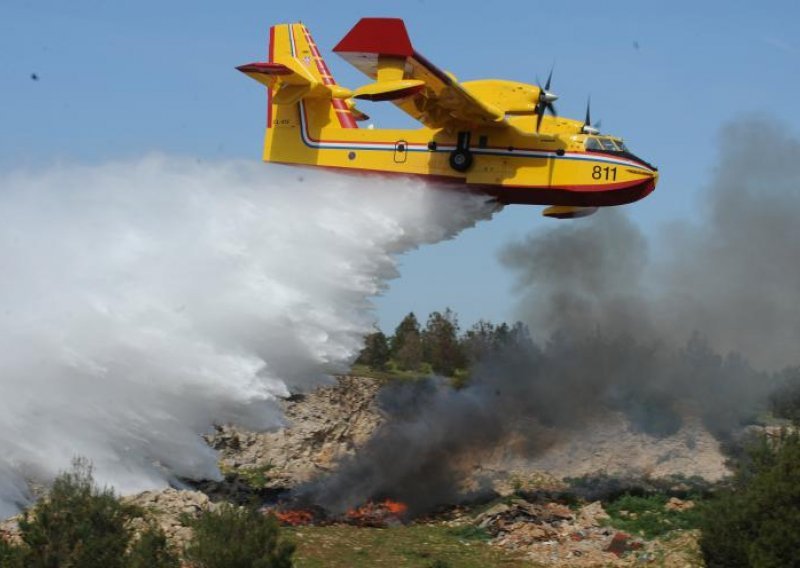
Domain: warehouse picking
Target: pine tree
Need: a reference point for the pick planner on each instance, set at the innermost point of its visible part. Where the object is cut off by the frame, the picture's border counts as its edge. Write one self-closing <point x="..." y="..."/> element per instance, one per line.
<point x="441" y="347"/>
<point x="376" y="351"/>
<point x="478" y="341"/>
<point x="406" y="344"/>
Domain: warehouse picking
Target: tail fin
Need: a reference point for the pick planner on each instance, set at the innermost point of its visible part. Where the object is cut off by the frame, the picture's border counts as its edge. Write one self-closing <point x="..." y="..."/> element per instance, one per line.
<point x="302" y="93"/>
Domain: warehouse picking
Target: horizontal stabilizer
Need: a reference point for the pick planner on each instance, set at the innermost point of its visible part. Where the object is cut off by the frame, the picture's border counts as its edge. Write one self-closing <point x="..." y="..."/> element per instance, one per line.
<point x="291" y="81"/>
<point x="357" y="114"/>
<point x="264" y="68"/>
<point x="389" y="90"/>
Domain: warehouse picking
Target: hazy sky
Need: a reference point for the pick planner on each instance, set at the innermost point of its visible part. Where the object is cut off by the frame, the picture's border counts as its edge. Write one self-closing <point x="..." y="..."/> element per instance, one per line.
<point x="121" y="78"/>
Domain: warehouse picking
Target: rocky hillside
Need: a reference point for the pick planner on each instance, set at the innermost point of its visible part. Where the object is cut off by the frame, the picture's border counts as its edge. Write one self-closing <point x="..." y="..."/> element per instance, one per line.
<point x="526" y="521"/>
<point x="334" y="421"/>
<point x="322" y="427"/>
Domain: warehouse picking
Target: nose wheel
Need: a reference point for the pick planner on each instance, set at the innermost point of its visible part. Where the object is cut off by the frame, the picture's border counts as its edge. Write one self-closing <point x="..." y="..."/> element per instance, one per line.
<point x="461" y="157"/>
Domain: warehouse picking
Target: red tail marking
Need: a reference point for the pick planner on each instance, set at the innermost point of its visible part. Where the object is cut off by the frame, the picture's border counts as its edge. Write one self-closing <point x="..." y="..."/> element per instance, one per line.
<point x="346" y="119"/>
<point x="383" y="36"/>
<point x="271" y="58"/>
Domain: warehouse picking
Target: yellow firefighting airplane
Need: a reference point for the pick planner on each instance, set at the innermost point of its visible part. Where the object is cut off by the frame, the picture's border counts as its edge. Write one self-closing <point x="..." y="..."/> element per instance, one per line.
<point x="490" y="135"/>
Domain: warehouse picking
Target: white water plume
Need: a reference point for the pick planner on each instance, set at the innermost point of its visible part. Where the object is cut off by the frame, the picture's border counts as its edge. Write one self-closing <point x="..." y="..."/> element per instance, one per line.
<point x="143" y="301"/>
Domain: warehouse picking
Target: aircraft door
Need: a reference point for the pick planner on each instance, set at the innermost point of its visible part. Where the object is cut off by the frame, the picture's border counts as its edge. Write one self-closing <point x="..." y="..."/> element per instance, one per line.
<point x="400" y="152"/>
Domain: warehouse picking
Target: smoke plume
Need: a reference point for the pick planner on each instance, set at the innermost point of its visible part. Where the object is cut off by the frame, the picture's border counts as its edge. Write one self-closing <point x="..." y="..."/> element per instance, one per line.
<point x="143" y="301"/>
<point x="614" y="328"/>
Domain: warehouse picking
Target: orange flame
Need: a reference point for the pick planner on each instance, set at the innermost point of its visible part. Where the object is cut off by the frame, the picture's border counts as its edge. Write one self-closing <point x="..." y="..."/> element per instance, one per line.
<point x="395" y="507"/>
<point x="372" y="511"/>
<point x="295" y="518"/>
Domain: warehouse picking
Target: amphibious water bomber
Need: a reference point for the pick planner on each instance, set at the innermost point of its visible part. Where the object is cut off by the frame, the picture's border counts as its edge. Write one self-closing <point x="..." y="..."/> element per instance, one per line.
<point x="502" y="138"/>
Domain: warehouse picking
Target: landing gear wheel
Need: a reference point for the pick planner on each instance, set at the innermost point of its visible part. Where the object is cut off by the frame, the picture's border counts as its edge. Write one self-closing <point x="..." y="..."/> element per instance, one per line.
<point x="460" y="160"/>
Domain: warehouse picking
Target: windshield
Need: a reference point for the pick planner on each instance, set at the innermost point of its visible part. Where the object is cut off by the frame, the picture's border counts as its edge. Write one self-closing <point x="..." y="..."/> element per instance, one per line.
<point x="605" y="144"/>
<point x="608" y="145"/>
<point x="622" y="145"/>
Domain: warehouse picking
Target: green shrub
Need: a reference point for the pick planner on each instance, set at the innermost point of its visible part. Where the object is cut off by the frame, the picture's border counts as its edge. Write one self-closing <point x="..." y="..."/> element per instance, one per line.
<point x="238" y="537"/>
<point x="77" y="525"/>
<point x="81" y="526"/>
<point x="10" y="556"/>
<point x="151" y="550"/>
<point x="756" y="523"/>
<point x="648" y="516"/>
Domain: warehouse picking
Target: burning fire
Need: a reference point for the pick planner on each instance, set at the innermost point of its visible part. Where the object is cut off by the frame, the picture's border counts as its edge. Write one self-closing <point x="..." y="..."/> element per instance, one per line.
<point x="295" y="518"/>
<point x="377" y="513"/>
<point x="371" y="514"/>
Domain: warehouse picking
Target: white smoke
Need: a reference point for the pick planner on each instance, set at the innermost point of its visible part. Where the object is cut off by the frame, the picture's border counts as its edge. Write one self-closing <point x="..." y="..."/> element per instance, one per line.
<point x="143" y="301"/>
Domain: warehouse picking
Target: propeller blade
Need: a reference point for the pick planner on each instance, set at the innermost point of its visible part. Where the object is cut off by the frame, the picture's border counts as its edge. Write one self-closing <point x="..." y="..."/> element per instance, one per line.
<point x="588" y="127"/>
<point x="546" y="98"/>
<point x="588" y="120"/>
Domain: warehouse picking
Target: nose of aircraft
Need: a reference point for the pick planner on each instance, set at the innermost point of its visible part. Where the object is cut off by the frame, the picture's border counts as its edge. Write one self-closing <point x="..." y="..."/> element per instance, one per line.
<point x="652" y="182"/>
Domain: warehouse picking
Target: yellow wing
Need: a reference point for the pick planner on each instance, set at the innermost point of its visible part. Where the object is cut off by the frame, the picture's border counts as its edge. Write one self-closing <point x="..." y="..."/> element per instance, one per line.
<point x="380" y="48"/>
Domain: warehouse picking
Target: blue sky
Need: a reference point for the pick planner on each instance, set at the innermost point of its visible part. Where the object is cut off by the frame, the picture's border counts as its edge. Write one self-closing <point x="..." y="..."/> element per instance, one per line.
<point x="122" y="78"/>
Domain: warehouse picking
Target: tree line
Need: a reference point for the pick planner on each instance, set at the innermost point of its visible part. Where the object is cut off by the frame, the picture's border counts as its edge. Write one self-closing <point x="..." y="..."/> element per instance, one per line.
<point x="439" y="347"/>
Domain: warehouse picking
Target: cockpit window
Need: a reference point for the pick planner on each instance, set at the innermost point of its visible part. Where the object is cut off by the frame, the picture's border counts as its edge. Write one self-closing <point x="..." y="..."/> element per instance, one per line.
<point x="593" y="144"/>
<point x="601" y="144"/>
<point x="608" y="145"/>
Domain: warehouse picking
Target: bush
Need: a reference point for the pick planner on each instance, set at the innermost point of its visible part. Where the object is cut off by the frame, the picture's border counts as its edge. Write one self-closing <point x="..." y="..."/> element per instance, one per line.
<point x="10" y="556"/>
<point x="77" y="525"/>
<point x="151" y="550"/>
<point x="238" y="537"/>
<point x="756" y="523"/>
<point x="81" y="526"/>
<point x="648" y="516"/>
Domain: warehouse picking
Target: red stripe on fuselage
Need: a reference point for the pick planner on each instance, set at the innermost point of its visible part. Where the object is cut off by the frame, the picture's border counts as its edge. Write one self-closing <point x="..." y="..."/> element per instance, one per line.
<point x="343" y="113"/>
<point x="270" y="56"/>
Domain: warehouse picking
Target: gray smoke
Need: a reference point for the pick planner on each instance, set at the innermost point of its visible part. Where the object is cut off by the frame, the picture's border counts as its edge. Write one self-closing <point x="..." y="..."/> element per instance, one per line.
<point x="143" y="301"/>
<point x="615" y="328"/>
<point x="735" y="276"/>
